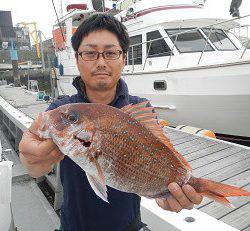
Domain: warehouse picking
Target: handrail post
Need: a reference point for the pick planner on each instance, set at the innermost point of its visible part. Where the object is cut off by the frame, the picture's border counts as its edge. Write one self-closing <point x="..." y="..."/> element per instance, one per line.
<point x="246" y="46"/>
<point x="205" y="46"/>
<point x="173" y="47"/>
<point x="245" y="49"/>
<point x="133" y="61"/>
<point x="147" y="55"/>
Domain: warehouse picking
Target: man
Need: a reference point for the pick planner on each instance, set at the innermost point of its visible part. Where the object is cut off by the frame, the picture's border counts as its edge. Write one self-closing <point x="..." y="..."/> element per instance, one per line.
<point x="100" y="43"/>
<point x="234" y="8"/>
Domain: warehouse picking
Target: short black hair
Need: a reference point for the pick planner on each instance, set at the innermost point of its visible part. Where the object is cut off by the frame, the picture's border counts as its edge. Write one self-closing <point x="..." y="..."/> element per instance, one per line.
<point x="101" y="21"/>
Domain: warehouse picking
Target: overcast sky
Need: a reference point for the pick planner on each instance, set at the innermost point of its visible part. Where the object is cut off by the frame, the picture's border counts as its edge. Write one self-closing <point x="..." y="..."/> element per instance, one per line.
<point x="41" y="11"/>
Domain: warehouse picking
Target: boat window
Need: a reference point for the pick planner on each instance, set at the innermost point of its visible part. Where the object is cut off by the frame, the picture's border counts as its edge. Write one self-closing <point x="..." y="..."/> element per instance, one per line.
<point x="137" y="50"/>
<point x="189" y="40"/>
<point x="219" y="39"/>
<point x="158" y="48"/>
<point x="77" y="20"/>
<point x="76" y="23"/>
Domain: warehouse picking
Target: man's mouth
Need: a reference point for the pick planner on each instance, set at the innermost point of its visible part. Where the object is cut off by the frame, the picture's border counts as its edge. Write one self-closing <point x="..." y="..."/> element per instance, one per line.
<point x="101" y="73"/>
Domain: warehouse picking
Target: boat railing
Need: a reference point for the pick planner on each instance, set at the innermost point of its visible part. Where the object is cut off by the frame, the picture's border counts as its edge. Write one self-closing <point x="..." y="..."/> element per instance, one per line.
<point x="242" y="32"/>
<point x="213" y="26"/>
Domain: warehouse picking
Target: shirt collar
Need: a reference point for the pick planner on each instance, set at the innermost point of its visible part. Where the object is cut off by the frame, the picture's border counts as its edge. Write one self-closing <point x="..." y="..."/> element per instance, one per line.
<point x="121" y="90"/>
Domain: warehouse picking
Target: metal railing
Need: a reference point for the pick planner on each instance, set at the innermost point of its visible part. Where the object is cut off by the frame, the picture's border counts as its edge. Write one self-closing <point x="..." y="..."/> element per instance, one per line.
<point x="211" y="26"/>
<point x="243" y="33"/>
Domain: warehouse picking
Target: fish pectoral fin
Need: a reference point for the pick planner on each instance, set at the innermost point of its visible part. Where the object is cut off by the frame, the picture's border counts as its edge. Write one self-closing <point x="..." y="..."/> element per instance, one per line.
<point x="98" y="186"/>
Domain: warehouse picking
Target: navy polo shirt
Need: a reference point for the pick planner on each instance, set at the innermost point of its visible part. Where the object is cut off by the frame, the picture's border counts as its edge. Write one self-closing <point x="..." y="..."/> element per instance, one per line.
<point x="82" y="209"/>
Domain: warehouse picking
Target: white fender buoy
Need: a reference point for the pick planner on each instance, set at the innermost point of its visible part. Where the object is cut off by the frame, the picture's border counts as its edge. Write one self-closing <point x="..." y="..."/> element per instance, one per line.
<point x="163" y="123"/>
<point x="197" y="131"/>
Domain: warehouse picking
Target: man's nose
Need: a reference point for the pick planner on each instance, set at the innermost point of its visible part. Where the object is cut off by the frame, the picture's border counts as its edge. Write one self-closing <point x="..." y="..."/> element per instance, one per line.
<point x="101" y="61"/>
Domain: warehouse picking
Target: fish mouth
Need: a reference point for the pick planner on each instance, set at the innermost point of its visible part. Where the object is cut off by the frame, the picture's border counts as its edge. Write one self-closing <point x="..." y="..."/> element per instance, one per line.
<point x="84" y="138"/>
<point x="83" y="142"/>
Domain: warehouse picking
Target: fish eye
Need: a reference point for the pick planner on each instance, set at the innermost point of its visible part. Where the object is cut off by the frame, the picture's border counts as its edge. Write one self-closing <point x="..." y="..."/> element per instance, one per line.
<point x="73" y="117"/>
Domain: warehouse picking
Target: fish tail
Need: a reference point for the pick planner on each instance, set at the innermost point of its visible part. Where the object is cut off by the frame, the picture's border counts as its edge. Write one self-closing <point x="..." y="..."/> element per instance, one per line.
<point x="216" y="191"/>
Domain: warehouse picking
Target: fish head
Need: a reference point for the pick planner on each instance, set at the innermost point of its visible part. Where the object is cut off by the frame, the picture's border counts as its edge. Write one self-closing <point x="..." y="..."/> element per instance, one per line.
<point x="72" y="129"/>
<point x="68" y="126"/>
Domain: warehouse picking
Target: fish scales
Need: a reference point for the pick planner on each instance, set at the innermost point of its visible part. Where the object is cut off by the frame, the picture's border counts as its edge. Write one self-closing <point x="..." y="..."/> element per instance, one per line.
<point x="107" y="125"/>
<point x="134" y="161"/>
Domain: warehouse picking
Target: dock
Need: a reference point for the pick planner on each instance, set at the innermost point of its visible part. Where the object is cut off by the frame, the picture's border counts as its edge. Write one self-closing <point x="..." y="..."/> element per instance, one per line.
<point x="210" y="158"/>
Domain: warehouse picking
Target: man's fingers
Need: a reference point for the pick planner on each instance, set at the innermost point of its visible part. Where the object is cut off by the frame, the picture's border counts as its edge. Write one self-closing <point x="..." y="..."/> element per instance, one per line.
<point x="53" y="159"/>
<point x="47" y="146"/>
<point x="36" y="146"/>
<point x="163" y="203"/>
<point x="192" y="195"/>
<point x="174" y="204"/>
<point x="34" y="159"/>
<point x="59" y="157"/>
<point x="180" y="196"/>
<point x="39" y="169"/>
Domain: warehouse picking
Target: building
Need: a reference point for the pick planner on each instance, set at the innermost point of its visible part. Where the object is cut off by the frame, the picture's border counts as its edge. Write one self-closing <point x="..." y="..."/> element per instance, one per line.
<point x="7" y="32"/>
<point x="20" y="36"/>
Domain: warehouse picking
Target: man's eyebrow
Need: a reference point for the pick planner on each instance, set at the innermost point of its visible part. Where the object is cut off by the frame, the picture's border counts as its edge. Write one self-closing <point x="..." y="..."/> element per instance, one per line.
<point x="95" y="45"/>
<point x="109" y="45"/>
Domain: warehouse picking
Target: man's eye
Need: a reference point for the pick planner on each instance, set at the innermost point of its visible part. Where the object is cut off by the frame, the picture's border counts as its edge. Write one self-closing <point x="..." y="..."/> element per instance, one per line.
<point x="89" y="53"/>
<point x="110" y="53"/>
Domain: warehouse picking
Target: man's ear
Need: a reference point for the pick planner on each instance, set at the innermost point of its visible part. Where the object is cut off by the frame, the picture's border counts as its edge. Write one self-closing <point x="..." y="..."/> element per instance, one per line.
<point x="76" y="59"/>
<point x="124" y="58"/>
<point x="76" y="56"/>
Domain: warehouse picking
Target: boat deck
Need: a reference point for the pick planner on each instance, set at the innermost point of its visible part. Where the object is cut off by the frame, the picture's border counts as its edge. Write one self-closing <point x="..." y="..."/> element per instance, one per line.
<point x="222" y="162"/>
<point x="210" y="158"/>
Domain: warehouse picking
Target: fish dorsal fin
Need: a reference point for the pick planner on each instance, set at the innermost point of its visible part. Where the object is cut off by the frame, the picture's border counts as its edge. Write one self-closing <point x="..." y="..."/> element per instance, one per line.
<point x="148" y="118"/>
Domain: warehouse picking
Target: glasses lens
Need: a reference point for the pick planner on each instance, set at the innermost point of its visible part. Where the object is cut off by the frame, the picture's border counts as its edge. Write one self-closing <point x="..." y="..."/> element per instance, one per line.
<point x="111" y="54"/>
<point x="89" y="55"/>
<point x="93" y="55"/>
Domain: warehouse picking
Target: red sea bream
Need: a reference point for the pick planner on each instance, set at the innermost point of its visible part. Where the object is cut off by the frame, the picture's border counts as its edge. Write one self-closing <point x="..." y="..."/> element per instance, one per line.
<point x="125" y="149"/>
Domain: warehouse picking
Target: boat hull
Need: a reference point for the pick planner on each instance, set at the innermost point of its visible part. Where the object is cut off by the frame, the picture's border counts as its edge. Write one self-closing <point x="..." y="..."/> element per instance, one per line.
<point x="215" y="97"/>
<point x="221" y="114"/>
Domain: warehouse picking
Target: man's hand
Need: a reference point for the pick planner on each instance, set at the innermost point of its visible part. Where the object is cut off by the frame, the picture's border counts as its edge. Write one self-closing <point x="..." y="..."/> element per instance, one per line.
<point x="181" y="198"/>
<point x="38" y="155"/>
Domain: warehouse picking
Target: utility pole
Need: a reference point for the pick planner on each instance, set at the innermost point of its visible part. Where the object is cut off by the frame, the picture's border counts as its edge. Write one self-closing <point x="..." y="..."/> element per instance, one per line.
<point x="41" y="48"/>
<point x="14" y="60"/>
<point x="61" y="9"/>
<point x="53" y="79"/>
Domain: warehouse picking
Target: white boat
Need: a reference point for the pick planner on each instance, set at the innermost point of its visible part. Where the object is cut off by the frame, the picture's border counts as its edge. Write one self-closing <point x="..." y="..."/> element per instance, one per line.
<point x="189" y="64"/>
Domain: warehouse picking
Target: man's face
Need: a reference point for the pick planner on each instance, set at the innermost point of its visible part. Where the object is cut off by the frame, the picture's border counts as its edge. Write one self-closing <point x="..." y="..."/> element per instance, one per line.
<point x="100" y="74"/>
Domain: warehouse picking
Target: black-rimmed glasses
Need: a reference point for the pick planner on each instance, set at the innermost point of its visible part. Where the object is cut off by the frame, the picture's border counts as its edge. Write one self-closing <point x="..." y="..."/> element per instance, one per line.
<point x="94" y="55"/>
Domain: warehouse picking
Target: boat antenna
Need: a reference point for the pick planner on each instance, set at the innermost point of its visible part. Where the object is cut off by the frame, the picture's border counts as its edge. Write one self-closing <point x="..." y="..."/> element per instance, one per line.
<point x="58" y="21"/>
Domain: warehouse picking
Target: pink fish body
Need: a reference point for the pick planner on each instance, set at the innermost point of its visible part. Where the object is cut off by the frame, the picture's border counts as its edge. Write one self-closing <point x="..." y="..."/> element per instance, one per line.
<point x="123" y="148"/>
